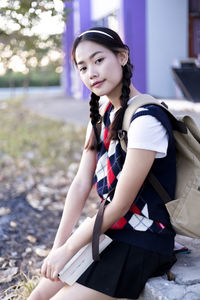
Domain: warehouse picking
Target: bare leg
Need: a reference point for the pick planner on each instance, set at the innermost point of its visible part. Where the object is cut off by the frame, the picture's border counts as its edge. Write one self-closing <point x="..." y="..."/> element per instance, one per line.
<point x="46" y="289"/>
<point x="79" y="292"/>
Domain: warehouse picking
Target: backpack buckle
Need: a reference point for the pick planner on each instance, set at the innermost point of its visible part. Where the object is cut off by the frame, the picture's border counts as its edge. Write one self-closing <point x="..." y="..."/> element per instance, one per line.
<point x="164" y="104"/>
<point x="122" y="134"/>
<point x="99" y="119"/>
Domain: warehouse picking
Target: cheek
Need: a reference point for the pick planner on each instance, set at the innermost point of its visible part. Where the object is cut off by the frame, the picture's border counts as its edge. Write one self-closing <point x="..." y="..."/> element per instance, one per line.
<point x="85" y="81"/>
<point x="83" y="78"/>
<point x="116" y="73"/>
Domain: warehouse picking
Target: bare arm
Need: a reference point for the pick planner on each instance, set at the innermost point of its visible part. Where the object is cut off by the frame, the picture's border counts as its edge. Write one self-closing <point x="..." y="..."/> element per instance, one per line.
<point x="76" y="197"/>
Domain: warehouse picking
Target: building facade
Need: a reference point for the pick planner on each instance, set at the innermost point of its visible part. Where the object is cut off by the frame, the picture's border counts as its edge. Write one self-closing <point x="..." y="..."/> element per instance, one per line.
<point x="158" y="33"/>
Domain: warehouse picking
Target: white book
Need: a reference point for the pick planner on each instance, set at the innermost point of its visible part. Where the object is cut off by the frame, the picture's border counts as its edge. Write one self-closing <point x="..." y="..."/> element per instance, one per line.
<point x="79" y="263"/>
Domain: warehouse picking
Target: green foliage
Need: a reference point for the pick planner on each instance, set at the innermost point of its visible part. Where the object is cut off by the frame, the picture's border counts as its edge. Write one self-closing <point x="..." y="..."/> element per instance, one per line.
<point x="17" y="36"/>
<point x="40" y="77"/>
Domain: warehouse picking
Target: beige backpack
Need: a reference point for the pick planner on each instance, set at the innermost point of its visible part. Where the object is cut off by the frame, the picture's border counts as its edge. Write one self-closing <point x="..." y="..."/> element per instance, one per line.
<point x="184" y="210"/>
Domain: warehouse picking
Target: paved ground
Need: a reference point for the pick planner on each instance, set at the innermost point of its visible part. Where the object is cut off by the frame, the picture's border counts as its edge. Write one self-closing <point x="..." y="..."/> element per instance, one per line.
<point x="59" y="107"/>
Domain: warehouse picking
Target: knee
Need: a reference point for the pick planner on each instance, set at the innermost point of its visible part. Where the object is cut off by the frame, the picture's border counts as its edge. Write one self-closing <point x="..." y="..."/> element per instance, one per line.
<point x="37" y="295"/>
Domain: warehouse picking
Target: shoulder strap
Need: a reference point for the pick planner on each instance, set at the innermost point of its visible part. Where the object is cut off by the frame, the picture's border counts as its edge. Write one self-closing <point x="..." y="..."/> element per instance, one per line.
<point x="139" y="101"/>
<point x="97" y="228"/>
<point x="97" y="231"/>
<point x="142" y="100"/>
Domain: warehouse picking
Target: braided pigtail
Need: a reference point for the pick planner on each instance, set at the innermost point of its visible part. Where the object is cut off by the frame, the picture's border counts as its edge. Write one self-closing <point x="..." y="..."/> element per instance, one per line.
<point x="94" y="108"/>
<point x="95" y="119"/>
<point x="116" y="125"/>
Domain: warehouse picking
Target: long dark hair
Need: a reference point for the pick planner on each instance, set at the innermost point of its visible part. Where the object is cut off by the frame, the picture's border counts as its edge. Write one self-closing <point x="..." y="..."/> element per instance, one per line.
<point x="113" y="42"/>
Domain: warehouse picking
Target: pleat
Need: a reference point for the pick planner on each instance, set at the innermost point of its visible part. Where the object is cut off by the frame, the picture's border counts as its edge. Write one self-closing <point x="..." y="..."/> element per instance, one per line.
<point x="124" y="269"/>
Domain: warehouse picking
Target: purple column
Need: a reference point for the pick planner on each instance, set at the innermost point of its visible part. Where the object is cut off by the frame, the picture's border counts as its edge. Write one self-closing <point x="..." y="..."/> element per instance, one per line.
<point x="68" y="38"/>
<point x="85" y="24"/>
<point x="85" y="14"/>
<point x="134" y="14"/>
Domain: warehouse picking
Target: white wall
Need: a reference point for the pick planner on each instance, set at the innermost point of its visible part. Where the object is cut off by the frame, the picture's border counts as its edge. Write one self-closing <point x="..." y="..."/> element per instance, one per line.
<point x="101" y="8"/>
<point x="167" y="40"/>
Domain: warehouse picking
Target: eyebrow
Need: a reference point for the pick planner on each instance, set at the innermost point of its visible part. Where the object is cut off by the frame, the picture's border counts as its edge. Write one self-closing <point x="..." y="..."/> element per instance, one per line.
<point x="90" y="57"/>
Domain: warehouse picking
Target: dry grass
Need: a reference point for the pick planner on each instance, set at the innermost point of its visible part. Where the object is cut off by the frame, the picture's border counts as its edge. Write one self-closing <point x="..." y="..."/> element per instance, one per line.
<point x="22" y="289"/>
<point x="45" y="142"/>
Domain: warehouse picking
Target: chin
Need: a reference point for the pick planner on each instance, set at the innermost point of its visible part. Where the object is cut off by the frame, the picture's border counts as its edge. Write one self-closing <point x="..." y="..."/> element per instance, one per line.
<point x="101" y="93"/>
<point x="98" y="93"/>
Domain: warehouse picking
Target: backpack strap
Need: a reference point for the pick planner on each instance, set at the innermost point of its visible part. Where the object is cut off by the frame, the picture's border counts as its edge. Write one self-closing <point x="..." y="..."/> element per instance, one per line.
<point x="142" y="100"/>
<point x="97" y="231"/>
<point x="97" y="228"/>
<point x="139" y="101"/>
<point x="159" y="188"/>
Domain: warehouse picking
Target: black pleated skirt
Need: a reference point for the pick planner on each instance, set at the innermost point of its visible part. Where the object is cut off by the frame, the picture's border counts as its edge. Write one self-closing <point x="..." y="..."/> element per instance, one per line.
<point x="124" y="269"/>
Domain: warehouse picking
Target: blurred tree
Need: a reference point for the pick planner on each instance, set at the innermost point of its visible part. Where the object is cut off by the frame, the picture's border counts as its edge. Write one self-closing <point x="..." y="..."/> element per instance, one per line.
<point x="31" y="34"/>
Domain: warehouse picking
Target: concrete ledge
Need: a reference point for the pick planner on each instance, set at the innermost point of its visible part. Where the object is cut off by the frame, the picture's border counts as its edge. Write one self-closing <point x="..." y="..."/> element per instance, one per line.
<point x="187" y="277"/>
<point x="161" y="289"/>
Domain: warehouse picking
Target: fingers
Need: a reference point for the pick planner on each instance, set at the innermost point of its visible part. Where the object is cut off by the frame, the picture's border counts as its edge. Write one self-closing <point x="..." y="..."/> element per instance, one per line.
<point x="43" y="269"/>
<point x="49" y="271"/>
<point x="55" y="276"/>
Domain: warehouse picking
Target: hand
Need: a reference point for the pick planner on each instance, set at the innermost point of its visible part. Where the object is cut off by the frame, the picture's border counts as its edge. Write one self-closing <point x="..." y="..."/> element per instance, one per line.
<point x="55" y="261"/>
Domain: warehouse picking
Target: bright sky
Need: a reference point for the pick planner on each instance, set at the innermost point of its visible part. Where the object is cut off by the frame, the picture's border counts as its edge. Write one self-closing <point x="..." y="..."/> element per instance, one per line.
<point x="47" y="25"/>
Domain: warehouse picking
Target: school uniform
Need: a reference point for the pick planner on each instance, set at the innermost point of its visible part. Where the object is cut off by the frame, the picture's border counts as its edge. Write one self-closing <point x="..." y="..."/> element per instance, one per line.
<point x="143" y="239"/>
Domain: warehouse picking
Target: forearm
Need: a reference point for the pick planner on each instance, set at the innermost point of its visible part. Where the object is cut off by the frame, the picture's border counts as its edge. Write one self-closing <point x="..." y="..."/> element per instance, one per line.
<point x="73" y="207"/>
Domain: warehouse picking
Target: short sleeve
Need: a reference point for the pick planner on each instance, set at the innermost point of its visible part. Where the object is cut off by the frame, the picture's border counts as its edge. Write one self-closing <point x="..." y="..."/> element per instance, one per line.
<point x="146" y="132"/>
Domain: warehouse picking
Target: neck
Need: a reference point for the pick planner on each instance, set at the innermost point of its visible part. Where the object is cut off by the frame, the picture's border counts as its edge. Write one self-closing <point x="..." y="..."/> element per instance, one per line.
<point x="133" y="91"/>
<point x="114" y="97"/>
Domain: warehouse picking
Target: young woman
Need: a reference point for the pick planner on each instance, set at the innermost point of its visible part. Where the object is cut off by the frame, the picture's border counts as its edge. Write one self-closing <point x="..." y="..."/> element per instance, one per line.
<point x="135" y="216"/>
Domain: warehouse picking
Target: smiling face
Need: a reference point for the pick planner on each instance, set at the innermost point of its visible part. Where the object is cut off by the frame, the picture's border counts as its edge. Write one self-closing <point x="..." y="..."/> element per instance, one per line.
<point x="100" y="69"/>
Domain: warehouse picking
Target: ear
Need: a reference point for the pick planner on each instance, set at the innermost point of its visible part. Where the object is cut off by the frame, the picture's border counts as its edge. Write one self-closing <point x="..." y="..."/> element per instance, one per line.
<point x="123" y="57"/>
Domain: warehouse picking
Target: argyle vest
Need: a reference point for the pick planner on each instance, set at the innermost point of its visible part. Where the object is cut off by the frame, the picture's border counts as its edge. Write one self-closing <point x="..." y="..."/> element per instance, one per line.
<point x="147" y="222"/>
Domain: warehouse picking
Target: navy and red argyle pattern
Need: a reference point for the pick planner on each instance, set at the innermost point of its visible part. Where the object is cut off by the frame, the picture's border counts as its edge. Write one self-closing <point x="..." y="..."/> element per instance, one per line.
<point x="109" y="165"/>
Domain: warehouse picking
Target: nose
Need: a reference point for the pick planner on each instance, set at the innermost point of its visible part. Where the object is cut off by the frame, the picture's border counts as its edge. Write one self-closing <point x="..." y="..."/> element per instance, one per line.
<point x="93" y="72"/>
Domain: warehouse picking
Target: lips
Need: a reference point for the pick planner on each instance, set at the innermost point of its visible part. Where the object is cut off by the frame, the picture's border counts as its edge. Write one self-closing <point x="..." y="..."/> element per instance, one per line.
<point x="97" y="83"/>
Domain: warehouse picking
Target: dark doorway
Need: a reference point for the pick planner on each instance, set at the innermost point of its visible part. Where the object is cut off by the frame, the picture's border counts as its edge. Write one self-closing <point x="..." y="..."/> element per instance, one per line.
<point x="194" y="28"/>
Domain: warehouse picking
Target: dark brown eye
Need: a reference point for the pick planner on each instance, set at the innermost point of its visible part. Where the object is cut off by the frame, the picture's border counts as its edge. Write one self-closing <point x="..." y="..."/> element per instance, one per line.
<point x="99" y="60"/>
<point x="82" y="69"/>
